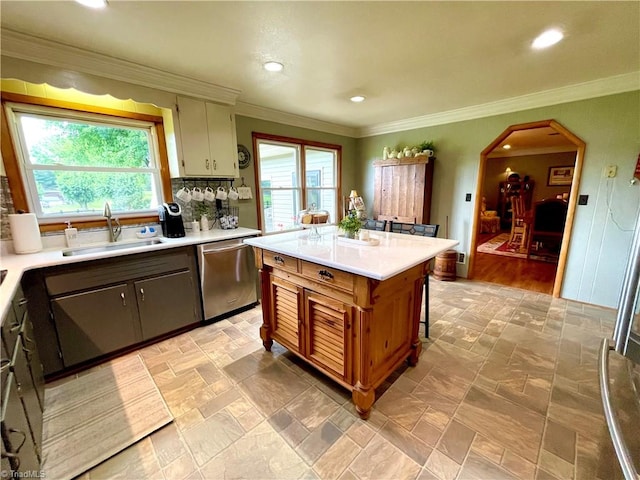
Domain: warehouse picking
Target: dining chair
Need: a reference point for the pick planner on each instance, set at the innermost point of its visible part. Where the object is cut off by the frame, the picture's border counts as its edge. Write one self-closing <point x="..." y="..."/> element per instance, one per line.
<point x="379" y="225"/>
<point x="423" y="230"/>
<point x="521" y="221"/>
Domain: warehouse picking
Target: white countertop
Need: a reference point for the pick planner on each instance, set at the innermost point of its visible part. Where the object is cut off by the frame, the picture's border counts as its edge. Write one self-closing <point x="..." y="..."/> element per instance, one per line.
<point x="16" y="264"/>
<point x="394" y="254"/>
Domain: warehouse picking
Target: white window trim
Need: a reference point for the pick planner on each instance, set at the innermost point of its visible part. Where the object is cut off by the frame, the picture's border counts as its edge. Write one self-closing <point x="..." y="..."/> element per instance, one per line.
<point x="301" y="146"/>
<point x="13" y="108"/>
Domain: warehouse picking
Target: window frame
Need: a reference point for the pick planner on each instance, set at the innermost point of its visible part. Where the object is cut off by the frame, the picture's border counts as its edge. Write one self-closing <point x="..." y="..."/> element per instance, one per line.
<point x="302" y="145"/>
<point x="17" y="182"/>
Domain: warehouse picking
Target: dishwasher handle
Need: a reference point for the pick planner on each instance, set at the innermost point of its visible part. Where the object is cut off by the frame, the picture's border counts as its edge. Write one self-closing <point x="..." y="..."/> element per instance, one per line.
<point x="209" y="249"/>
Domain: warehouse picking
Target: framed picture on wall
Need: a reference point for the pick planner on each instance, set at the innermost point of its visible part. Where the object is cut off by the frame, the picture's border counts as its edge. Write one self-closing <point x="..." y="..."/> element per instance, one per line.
<point x="559" y="176"/>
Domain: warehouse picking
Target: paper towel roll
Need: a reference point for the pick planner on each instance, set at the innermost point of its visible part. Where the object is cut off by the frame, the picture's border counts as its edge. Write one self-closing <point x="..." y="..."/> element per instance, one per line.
<point x="25" y="233"/>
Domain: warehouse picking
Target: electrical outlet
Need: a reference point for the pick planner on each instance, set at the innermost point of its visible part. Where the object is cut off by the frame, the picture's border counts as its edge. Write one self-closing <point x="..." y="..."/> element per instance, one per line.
<point x="467" y="197"/>
<point x="461" y="257"/>
<point x="583" y="199"/>
<point x="610" y="171"/>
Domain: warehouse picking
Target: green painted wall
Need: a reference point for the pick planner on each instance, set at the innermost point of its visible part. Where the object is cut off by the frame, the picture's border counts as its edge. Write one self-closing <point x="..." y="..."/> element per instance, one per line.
<point x="601" y="238"/>
<point x="244" y="128"/>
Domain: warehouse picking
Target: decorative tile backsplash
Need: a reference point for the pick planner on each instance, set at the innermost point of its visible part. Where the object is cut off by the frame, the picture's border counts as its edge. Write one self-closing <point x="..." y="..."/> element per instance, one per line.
<point x="190" y="210"/>
<point x="194" y="210"/>
<point x="6" y="207"/>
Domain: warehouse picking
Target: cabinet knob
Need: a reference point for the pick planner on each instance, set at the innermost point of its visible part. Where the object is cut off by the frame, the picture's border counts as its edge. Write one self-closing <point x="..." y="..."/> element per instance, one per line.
<point x="278" y="259"/>
<point x="142" y="293"/>
<point x="124" y="301"/>
<point x="207" y="164"/>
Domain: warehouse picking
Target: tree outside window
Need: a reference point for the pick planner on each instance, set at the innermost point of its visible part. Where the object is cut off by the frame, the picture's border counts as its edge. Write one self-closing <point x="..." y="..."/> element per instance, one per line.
<point x="73" y="163"/>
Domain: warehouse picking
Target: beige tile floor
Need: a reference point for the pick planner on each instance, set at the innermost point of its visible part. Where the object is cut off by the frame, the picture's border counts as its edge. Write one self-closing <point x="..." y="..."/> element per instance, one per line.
<point x="506" y="387"/>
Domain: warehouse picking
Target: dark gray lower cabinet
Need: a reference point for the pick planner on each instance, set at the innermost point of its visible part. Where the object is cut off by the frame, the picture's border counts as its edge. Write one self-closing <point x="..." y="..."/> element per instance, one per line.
<point x="19" y="447"/>
<point x="101" y="307"/>
<point x="166" y="303"/>
<point x="22" y="394"/>
<point x="94" y="323"/>
<point x="33" y="359"/>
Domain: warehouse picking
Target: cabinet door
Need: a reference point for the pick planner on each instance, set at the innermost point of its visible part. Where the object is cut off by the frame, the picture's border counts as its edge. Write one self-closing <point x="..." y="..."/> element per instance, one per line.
<point x="17" y="441"/>
<point x="28" y="394"/>
<point x="166" y="303"/>
<point x="222" y="141"/>
<point x="328" y="324"/>
<point x="33" y="358"/>
<point x="402" y="192"/>
<point x="194" y="137"/>
<point x="286" y="314"/>
<point x="94" y="323"/>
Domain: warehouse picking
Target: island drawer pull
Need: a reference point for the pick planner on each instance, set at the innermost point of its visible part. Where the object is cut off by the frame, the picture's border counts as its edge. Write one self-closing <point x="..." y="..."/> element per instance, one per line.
<point x="278" y="259"/>
<point x="325" y="275"/>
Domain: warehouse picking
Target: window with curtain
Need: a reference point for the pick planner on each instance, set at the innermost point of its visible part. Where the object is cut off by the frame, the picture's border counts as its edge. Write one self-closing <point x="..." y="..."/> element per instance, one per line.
<point x="72" y="162"/>
<point x="295" y="175"/>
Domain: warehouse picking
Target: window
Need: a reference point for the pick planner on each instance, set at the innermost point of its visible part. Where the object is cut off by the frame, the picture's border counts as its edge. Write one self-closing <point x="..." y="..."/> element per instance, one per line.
<point x="295" y="174"/>
<point x="72" y="162"/>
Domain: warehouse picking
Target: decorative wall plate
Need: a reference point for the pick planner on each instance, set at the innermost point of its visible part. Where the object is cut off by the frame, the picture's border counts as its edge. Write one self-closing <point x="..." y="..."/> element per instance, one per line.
<point x="244" y="157"/>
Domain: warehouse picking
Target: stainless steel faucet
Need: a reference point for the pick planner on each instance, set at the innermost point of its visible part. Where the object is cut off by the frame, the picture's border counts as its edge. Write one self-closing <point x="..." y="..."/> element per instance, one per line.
<point x="114" y="233"/>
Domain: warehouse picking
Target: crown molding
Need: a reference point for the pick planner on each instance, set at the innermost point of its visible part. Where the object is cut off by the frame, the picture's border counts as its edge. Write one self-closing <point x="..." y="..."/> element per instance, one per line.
<point x="262" y="113"/>
<point x="582" y="91"/>
<point x="27" y="47"/>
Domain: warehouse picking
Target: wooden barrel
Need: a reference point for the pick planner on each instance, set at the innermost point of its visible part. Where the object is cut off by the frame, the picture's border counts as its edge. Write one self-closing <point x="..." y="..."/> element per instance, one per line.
<point x="445" y="268"/>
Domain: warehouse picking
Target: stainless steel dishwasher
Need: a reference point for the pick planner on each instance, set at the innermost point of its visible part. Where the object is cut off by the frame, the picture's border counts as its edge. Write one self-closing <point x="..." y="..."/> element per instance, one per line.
<point x="228" y="277"/>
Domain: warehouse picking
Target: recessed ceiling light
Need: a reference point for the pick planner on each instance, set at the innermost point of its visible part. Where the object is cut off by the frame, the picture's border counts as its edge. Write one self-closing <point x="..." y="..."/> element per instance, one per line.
<point x="93" y="3"/>
<point x="506" y="147"/>
<point x="357" y="99"/>
<point x="548" y="38"/>
<point x="273" y="66"/>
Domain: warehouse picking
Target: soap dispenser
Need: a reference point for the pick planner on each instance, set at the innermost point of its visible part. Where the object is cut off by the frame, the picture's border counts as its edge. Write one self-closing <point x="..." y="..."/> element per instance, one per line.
<point x="71" y="234"/>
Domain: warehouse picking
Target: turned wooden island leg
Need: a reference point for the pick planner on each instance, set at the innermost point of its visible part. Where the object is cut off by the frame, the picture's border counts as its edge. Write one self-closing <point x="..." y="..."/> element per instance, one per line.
<point x="416" y="348"/>
<point x="363" y="398"/>
<point x="265" y="329"/>
<point x="265" y="335"/>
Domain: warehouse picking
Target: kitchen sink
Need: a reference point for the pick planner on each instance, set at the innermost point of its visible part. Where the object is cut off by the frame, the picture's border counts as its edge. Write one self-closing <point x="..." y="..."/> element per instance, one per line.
<point x="109" y="247"/>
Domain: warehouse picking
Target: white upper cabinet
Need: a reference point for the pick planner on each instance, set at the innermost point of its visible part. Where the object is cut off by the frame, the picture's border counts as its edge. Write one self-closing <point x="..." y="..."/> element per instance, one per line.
<point x="208" y="137"/>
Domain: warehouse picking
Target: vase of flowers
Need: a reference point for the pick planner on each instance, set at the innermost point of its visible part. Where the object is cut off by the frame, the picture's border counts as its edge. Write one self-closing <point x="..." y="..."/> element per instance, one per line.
<point x="350" y="224"/>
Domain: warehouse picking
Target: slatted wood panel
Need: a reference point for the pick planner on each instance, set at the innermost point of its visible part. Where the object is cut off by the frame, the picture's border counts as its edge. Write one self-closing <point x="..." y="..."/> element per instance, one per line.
<point x="402" y="190"/>
<point x="326" y="321"/>
<point x="285" y="303"/>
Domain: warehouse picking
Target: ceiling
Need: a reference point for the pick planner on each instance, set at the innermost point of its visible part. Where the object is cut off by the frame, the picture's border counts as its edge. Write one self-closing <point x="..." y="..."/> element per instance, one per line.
<point x="538" y="140"/>
<point x="409" y="59"/>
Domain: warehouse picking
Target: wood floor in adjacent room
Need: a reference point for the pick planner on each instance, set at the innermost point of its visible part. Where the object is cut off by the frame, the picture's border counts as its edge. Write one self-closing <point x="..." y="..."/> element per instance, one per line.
<point x="532" y="275"/>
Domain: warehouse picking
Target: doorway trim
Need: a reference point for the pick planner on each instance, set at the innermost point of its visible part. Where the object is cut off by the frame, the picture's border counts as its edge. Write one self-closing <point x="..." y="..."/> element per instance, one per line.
<point x="573" y="197"/>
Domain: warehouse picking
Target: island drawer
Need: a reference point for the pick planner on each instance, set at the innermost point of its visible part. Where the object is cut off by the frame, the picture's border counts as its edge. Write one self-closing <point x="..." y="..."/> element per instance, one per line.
<point x="278" y="260"/>
<point x="330" y="276"/>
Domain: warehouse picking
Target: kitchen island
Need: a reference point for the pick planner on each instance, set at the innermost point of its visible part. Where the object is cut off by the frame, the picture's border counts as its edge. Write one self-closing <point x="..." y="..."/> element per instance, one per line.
<point x="351" y="309"/>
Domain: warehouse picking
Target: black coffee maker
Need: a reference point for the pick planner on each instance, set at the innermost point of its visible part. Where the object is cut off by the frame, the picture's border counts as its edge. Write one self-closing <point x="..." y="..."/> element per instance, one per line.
<point x="171" y="220"/>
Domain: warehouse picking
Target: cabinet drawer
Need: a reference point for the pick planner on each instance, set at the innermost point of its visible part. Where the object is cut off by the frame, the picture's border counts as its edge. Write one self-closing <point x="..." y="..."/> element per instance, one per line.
<point x="278" y="260"/>
<point x="329" y="276"/>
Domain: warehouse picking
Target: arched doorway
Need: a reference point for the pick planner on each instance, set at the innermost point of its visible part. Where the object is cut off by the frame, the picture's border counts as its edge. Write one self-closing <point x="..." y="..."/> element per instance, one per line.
<point x="512" y="132"/>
